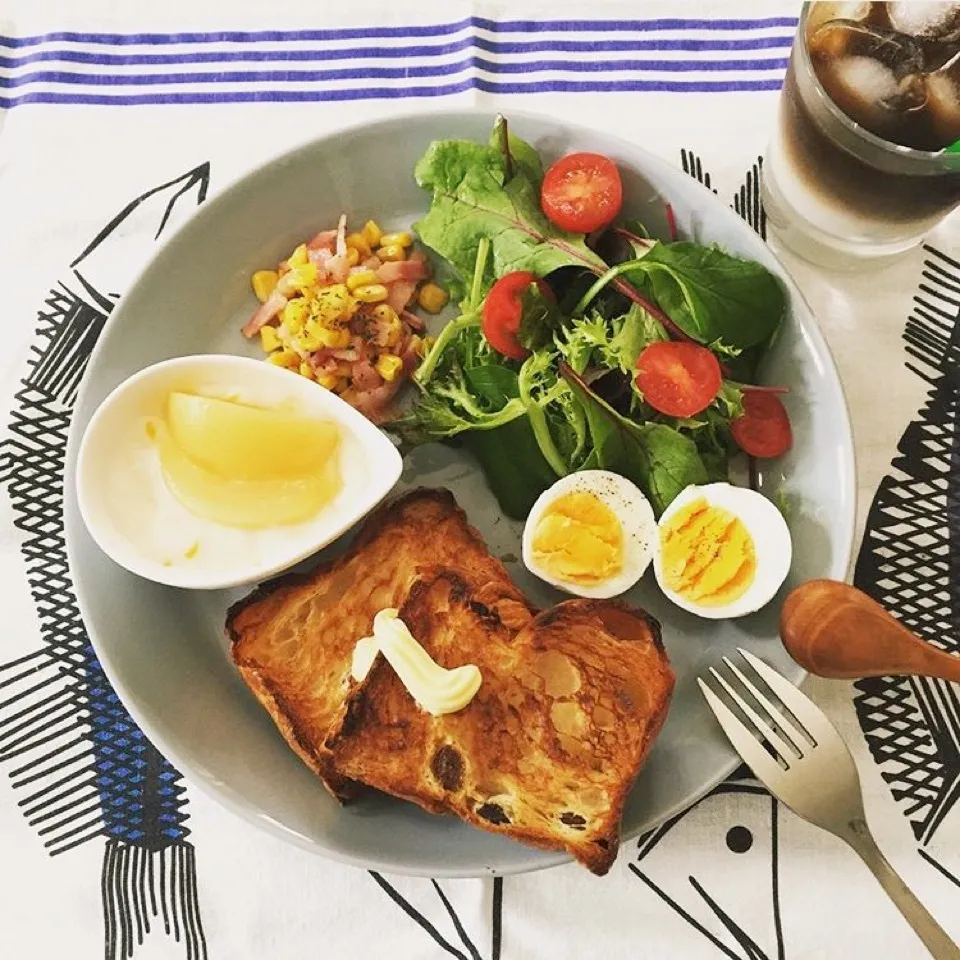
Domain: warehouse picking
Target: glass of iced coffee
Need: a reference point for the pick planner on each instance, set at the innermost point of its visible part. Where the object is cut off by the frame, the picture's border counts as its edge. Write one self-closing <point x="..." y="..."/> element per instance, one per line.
<point x="860" y="166"/>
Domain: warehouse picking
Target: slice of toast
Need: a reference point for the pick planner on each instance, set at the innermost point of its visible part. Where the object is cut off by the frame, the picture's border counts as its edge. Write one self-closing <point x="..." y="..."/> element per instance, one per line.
<point x="546" y="752"/>
<point x="292" y="639"/>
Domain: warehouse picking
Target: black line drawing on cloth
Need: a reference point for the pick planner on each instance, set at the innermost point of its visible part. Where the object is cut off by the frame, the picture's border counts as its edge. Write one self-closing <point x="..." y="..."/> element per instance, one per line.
<point x="753" y="848"/>
<point x="746" y="200"/>
<point x="449" y="916"/>
<point x="80" y="764"/>
<point x="912" y="725"/>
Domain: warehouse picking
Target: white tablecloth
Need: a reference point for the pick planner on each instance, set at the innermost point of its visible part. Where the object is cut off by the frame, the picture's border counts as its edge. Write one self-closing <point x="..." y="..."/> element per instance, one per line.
<point x="116" y="120"/>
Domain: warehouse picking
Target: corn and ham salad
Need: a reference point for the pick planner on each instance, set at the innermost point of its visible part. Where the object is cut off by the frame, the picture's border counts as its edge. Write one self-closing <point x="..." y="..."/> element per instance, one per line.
<point x="336" y="311"/>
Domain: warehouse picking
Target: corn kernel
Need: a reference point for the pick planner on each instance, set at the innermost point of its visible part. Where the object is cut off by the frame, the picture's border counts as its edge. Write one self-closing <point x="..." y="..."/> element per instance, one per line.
<point x="284" y="358"/>
<point x="331" y="304"/>
<point x="358" y="242"/>
<point x="392" y="251"/>
<point x="432" y="298"/>
<point x="362" y="278"/>
<point x="372" y="233"/>
<point x="298" y="258"/>
<point x="263" y="283"/>
<point x="388" y="366"/>
<point x="294" y="315"/>
<point x="305" y="343"/>
<point x="353" y="258"/>
<point x="306" y="370"/>
<point x="387" y="318"/>
<point x="371" y="293"/>
<point x="328" y="380"/>
<point x="269" y="339"/>
<point x="426" y="345"/>
<point x="384" y="313"/>
<point x="400" y="239"/>
<point x="303" y="277"/>
<point x="335" y="338"/>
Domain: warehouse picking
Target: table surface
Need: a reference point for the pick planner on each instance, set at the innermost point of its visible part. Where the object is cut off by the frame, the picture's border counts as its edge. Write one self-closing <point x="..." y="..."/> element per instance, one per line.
<point x="114" y="125"/>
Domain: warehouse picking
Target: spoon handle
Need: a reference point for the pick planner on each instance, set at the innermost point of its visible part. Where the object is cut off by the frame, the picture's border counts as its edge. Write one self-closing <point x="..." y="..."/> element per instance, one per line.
<point x="837" y="631"/>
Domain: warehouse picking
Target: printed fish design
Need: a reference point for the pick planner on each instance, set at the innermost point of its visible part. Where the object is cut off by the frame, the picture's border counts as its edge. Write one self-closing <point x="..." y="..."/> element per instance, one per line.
<point x="82" y="766"/>
<point x="908" y="562"/>
<point x="743" y="820"/>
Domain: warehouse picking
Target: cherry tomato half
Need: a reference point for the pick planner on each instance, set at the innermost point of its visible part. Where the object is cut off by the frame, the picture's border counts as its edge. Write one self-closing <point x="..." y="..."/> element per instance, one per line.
<point x="678" y="378"/>
<point x="764" y="429"/>
<point x="502" y="312"/>
<point x="582" y="192"/>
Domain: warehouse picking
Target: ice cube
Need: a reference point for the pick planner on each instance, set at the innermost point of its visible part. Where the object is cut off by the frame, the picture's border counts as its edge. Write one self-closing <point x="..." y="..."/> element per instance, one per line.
<point x="926" y="19"/>
<point x="943" y="107"/>
<point x="851" y="40"/>
<point x="821" y="13"/>
<point x="870" y="93"/>
<point x="863" y="80"/>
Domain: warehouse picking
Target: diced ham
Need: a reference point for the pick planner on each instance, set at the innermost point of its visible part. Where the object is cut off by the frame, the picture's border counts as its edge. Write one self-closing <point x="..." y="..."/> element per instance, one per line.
<point x="320" y="259"/>
<point x="325" y="239"/>
<point x="365" y="377"/>
<point x="338" y="268"/>
<point x="403" y="270"/>
<point x="376" y="404"/>
<point x="348" y="354"/>
<point x="267" y="311"/>
<point x="399" y="294"/>
<point x="413" y="321"/>
<point x="371" y="263"/>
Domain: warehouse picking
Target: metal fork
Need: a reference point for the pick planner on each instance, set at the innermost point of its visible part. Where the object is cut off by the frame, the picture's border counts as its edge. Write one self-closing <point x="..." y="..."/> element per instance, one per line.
<point x="803" y="761"/>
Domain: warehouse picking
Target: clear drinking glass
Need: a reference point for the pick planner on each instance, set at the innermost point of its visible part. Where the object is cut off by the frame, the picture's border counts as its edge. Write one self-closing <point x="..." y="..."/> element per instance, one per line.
<point x="860" y="173"/>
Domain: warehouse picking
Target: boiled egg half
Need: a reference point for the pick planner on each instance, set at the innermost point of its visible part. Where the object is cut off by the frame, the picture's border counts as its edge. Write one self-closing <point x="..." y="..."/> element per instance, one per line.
<point x="592" y="534"/>
<point x="723" y="551"/>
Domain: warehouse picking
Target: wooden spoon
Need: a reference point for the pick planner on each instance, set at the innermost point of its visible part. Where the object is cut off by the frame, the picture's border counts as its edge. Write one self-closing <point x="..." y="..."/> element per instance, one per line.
<point x="834" y="630"/>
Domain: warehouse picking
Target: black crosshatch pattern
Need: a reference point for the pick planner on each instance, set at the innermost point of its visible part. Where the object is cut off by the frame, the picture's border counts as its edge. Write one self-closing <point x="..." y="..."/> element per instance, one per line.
<point x="84" y="773"/>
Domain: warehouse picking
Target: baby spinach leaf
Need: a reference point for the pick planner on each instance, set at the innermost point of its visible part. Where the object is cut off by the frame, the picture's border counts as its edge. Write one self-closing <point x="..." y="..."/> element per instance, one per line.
<point x="473" y="198"/>
<point x="711" y="295"/>
<point x="656" y="457"/>
<point x="494" y="383"/>
<point x="539" y="317"/>
<point x="521" y="153"/>
<point x="513" y="465"/>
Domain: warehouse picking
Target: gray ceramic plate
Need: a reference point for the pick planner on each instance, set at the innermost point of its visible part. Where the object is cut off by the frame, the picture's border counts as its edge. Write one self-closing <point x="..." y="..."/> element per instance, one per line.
<point x="163" y="649"/>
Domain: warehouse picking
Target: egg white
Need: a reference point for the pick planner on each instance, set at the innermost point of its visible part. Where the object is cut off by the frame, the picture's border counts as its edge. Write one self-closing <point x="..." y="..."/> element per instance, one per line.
<point x="771" y="540"/>
<point x="628" y="505"/>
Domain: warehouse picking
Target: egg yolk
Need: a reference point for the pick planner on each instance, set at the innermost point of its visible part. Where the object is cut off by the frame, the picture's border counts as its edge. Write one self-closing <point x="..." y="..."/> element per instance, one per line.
<point x="578" y="539"/>
<point x="707" y="555"/>
<point x="244" y="466"/>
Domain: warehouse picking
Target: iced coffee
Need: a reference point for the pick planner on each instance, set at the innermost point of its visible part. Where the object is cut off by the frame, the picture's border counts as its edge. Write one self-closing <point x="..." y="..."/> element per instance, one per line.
<point x="861" y="164"/>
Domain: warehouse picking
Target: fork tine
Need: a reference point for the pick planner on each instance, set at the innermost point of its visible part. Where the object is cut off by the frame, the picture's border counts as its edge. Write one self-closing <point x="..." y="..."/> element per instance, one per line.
<point x="744" y="742"/>
<point x="760" y="723"/>
<point x="780" y="723"/>
<point x="802" y="707"/>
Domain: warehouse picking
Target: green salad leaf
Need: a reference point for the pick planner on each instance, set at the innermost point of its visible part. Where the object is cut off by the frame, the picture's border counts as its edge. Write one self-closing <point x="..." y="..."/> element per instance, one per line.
<point x="711" y="296"/>
<point x="539" y="318"/>
<point x="521" y="153"/>
<point x="512" y="464"/>
<point x="475" y="199"/>
<point x="660" y="459"/>
<point x="613" y="344"/>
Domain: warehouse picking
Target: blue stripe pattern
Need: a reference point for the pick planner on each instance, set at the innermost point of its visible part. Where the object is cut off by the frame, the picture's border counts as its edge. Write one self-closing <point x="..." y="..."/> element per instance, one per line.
<point x="692" y="58"/>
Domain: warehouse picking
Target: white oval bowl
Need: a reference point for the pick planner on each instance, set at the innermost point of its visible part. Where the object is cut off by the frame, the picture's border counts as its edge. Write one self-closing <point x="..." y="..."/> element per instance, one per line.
<point x="139" y="524"/>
